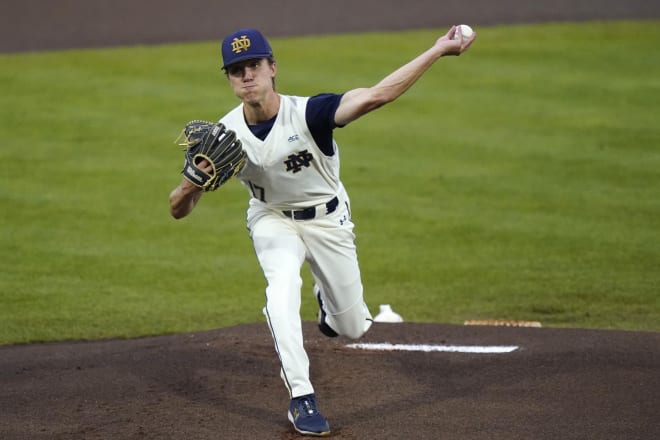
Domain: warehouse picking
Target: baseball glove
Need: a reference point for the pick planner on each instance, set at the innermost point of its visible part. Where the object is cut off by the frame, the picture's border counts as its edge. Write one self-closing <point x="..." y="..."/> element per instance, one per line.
<point x="217" y="145"/>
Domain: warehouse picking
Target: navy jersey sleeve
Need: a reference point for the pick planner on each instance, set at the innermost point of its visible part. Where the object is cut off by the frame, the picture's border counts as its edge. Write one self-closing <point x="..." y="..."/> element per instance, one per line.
<point x="320" y="117"/>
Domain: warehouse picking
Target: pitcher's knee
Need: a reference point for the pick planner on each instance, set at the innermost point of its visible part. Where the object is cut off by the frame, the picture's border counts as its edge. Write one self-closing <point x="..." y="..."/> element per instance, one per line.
<point x="357" y="330"/>
<point x="352" y="322"/>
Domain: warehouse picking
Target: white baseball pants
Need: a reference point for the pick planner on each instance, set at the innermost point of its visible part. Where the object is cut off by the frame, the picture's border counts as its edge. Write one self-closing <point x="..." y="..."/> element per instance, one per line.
<point x="327" y="243"/>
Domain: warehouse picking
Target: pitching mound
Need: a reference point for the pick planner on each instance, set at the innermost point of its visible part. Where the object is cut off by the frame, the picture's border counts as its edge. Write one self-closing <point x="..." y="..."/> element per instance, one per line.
<point x="404" y="381"/>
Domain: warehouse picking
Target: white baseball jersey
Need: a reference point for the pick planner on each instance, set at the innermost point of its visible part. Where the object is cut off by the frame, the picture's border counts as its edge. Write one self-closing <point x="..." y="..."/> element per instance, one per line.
<point x="287" y="169"/>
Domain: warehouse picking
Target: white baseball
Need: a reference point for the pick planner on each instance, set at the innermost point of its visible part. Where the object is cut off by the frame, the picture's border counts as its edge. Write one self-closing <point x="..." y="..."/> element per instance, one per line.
<point x="465" y="30"/>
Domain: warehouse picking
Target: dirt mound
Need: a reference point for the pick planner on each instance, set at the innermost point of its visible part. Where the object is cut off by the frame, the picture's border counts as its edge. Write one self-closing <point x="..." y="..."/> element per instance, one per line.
<point x="224" y="384"/>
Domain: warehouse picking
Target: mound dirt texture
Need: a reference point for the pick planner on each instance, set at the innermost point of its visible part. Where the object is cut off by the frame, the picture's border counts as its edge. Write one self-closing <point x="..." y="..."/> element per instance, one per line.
<point x="224" y="384"/>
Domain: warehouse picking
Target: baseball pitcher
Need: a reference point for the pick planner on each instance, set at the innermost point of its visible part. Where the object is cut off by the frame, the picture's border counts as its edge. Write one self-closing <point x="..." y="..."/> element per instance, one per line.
<point x="299" y="210"/>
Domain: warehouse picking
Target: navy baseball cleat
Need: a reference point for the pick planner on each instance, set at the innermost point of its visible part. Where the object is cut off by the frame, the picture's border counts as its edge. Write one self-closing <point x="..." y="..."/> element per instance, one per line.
<point x="323" y="326"/>
<point x="306" y="419"/>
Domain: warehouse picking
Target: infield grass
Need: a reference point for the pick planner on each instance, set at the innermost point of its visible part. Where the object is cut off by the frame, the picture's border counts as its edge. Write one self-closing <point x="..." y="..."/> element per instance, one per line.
<point x="519" y="181"/>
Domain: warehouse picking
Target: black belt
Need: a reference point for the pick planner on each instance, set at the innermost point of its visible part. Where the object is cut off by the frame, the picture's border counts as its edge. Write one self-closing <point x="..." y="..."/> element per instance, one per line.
<point x="310" y="213"/>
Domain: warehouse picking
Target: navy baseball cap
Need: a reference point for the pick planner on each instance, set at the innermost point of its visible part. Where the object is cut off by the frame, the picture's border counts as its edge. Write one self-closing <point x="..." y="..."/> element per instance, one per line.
<point x="244" y="44"/>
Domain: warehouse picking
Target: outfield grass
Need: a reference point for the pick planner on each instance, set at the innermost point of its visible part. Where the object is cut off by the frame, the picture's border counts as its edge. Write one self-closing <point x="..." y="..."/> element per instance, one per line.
<point x="519" y="181"/>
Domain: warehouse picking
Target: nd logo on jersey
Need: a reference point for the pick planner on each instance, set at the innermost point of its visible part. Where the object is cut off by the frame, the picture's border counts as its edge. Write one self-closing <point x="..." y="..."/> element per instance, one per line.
<point x="295" y="162"/>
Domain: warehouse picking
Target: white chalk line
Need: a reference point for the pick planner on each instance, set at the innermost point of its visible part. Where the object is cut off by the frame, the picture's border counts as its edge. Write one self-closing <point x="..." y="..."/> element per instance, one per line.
<point x="479" y="349"/>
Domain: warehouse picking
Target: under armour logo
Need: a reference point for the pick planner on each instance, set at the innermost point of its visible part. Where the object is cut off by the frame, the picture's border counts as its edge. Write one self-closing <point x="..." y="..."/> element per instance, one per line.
<point x="295" y="162"/>
<point x="239" y="45"/>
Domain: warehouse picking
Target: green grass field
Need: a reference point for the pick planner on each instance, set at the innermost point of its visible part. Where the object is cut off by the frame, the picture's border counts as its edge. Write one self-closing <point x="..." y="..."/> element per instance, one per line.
<point x="519" y="181"/>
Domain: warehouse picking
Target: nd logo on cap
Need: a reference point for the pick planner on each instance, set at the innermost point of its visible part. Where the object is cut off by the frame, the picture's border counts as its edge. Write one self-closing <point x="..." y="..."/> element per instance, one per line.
<point x="244" y="44"/>
<point x="239" y="45"/>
